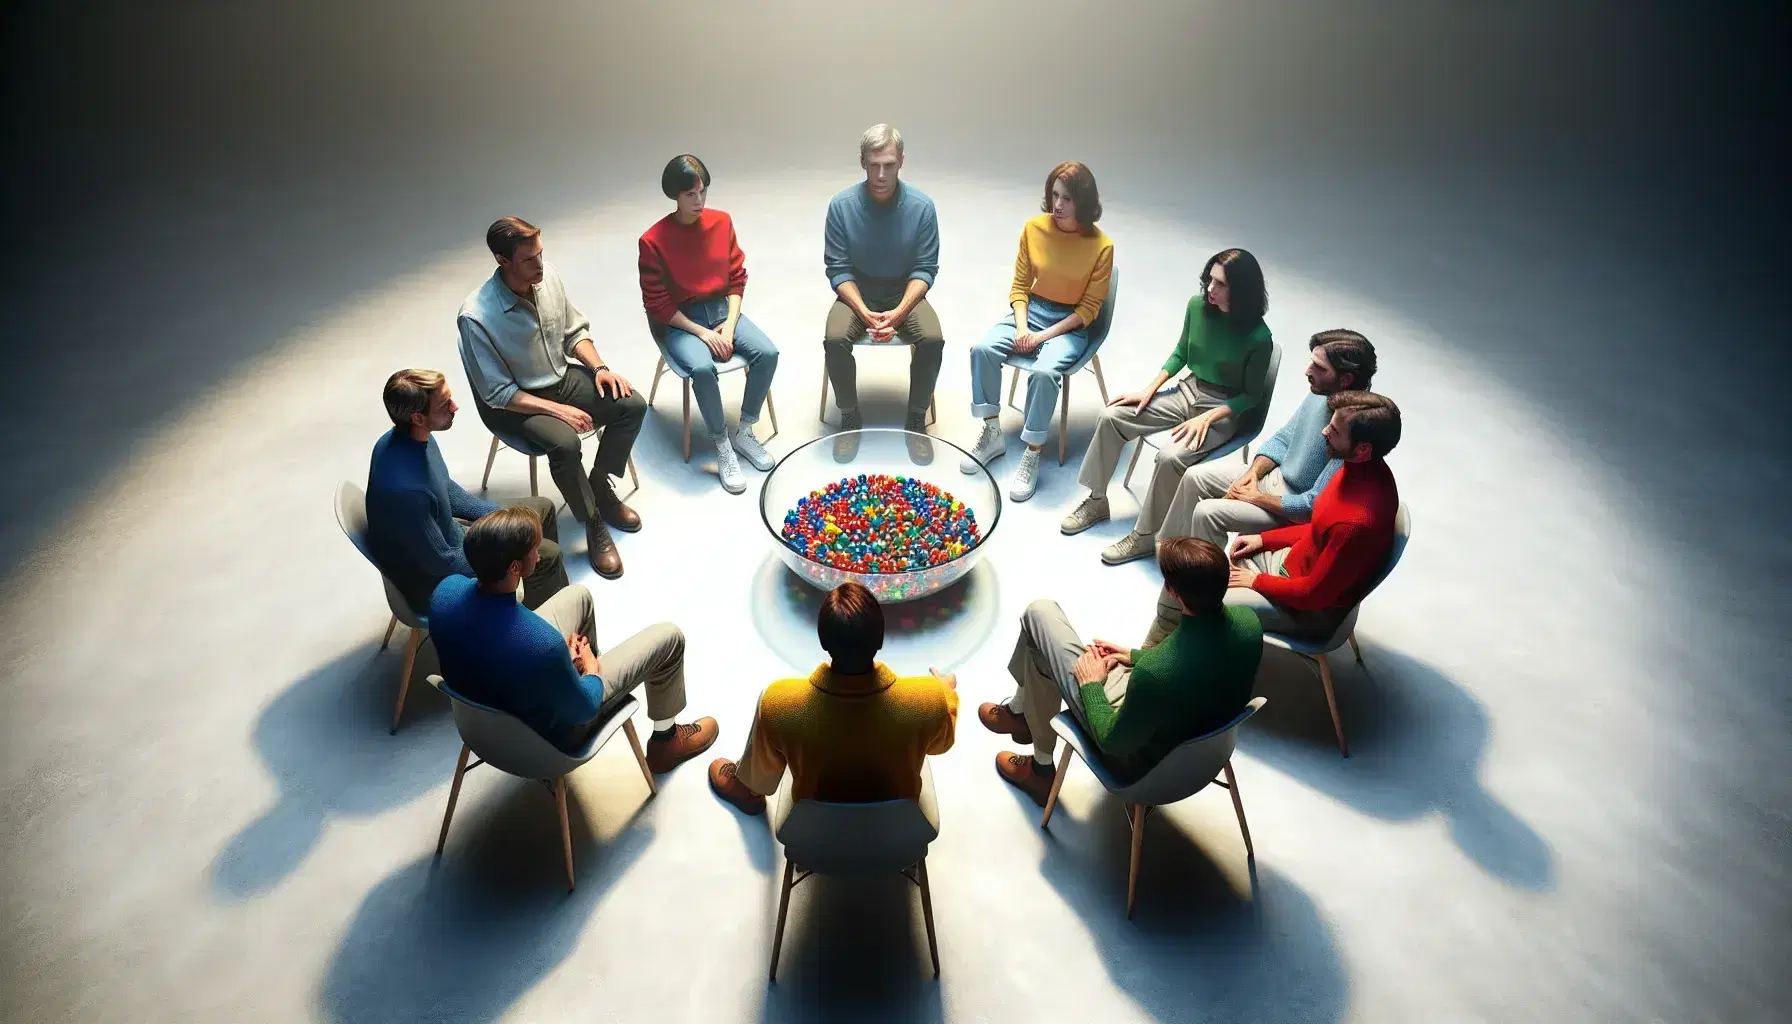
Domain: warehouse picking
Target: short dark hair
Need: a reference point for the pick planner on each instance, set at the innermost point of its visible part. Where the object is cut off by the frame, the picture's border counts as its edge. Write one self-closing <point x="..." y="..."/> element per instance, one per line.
<point x="408" y="392"/>
<point x="500" y="538"/>
<point x="1195" y="570"/>
<point x="506" y="233"/>
<point x="1348" y="352"/>
<point x="1371" y="418"/>
<point x="1244" y="280"/>
<point x="1084" y="196"/>
<point x="682" y="174"/>
<point x="851" y="623"/>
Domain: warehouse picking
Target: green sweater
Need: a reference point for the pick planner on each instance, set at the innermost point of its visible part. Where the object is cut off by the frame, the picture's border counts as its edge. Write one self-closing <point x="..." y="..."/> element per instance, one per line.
<point x="1195" y="681"/>
<point x="1216" y="353"/>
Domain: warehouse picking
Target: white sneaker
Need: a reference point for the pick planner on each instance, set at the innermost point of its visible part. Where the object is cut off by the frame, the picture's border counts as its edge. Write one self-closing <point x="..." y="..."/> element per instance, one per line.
<point x="988" y="446"/>
<point x="750" y="448"/>
<point x="1026" y="476"/>
<point x="728" y="467"/>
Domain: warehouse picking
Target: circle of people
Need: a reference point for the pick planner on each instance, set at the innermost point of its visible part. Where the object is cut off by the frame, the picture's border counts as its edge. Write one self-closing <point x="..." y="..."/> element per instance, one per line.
<point x="1311" y="517"/>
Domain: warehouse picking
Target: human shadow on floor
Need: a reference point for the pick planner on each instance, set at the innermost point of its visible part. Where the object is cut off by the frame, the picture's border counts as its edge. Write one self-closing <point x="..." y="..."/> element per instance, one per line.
<point x="324" y="740"/>
<point x="1416" y="741"/>
<point x="855" y="948"/>
<point x="1200" y="946"/>
<point x="464" y="938"/>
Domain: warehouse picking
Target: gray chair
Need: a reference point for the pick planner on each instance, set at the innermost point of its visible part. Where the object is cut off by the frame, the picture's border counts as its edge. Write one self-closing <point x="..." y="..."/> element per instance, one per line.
<point x="508" y="745"/>
<point x="1316" y="651"/>
<point x="518" y="444"/>
<point x="1098" y="333"/>
<point x="1249" y="426"/>
<point x="856" y="839"/>
<point x="933" y="405"/>
<point x="733" y="363"/>
<point x="1182" y="773"/>
<point x="351" y="515"/>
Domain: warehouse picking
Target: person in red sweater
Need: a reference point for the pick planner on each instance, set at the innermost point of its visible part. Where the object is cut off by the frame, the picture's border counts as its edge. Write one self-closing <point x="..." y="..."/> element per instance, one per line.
<point x="1302" y="580"/>
<point x="693" y="275"/>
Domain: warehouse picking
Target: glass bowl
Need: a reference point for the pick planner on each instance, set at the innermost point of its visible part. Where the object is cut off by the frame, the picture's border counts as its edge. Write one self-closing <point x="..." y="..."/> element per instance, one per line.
<point x="813" y="466"/>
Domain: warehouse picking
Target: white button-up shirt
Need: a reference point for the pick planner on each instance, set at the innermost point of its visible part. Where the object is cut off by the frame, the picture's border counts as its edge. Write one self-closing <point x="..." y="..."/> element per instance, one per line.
<point x="509" y="343"/>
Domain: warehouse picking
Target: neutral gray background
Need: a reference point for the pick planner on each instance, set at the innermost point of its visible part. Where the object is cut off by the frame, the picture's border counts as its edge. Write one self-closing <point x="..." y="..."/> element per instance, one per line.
<point x="231" y="221"/>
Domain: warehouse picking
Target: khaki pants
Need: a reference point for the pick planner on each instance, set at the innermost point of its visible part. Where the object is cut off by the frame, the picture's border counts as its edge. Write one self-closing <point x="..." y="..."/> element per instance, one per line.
<point x="1043" y="667"/>
<point x="654" y="656"/>
<point x="1120" y="424"/>
<point x="1201" y="509"/>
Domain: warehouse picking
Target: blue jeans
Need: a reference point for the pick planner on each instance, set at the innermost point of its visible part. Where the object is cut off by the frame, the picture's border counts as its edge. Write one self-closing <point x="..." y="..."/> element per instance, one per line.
<point x="694" y="359"/>
<point x="1045" y="367"/>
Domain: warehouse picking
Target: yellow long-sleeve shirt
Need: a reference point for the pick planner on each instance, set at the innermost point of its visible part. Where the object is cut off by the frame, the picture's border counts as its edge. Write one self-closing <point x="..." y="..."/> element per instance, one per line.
<point x="1063" y="266"/>
<point x="849" y="738"/>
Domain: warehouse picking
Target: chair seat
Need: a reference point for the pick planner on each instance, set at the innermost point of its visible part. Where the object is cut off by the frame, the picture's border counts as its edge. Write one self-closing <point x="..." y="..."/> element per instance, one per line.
<point x="507" y="744"/>
<point x="853" y="838"/>
<point x="1183" y="772"/>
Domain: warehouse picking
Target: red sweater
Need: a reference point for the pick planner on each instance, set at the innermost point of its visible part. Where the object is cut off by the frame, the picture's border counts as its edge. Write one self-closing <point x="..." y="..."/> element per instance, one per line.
<point x="1346" y="543"/>
<point x="683" y="262"/>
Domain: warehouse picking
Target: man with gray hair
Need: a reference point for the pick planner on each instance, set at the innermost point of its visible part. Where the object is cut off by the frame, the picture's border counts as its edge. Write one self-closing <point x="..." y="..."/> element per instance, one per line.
<point x="882" y="250"/>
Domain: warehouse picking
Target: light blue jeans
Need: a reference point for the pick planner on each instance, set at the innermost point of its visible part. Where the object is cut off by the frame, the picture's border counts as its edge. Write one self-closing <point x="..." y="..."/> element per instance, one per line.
<point x="1045" y="367"/>
<point x="686" y="351"/>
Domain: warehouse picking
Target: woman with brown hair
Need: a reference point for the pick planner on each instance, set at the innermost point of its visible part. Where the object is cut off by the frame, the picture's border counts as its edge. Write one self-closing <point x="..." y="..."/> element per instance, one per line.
<point x="1061" y="274"/>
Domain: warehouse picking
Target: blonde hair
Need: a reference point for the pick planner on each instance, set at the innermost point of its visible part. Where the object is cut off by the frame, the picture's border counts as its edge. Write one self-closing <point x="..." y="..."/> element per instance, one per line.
<point x="407" y="393"/>
<point x="877" y="137"/>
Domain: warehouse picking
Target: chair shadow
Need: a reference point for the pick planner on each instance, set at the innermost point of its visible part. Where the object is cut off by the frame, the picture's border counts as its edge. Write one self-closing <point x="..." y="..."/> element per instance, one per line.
<point x="324" y="739"/>
<point x="854" y="949"/>
<point x="1197" y="948"/>
<point x="1416" y="742"/>
<point x="464" y="938"/>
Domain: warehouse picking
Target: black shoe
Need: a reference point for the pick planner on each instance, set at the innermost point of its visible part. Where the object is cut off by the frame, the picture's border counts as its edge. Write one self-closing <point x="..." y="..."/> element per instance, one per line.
<point x="920" y="446"/>
<point x="846" y="442"/>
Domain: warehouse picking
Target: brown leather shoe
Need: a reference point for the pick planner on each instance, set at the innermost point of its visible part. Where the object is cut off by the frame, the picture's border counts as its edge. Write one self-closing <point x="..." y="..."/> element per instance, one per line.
<point x="610" y="506"/>
<point x="1025" y="774"/>
<point x="679" y="744"/>
<point x="729" y="787"/>
<point x="997" y="718"/>
<point x="600" y="548"/>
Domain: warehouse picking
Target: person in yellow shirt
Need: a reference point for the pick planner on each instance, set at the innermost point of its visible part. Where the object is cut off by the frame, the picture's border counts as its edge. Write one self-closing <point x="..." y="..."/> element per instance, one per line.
<point x="853" y="731"/>
<point x="1061" y="275"/>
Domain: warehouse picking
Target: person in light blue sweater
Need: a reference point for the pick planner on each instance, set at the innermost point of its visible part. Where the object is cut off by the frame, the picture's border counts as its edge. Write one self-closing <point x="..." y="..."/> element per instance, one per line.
<point x="415" y="510"/>
<point x="1290" y="469"/>
<point x="881" y="250"/>
<point x="543" y="666"/>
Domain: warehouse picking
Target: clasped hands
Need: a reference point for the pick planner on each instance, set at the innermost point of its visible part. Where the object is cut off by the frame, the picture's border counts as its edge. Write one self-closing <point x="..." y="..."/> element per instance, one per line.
<point x="719" y="341"/>
<point x="1242" y="546"/>
<point x="882" y="326"/>
<point x="1098" y="659"/>
<point x="584" y="659"/>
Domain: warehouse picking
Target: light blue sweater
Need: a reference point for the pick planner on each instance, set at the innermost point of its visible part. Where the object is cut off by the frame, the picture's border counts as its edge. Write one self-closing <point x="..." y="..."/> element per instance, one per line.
<point x="1299" y="448"/>
<point x="882" y="246"/>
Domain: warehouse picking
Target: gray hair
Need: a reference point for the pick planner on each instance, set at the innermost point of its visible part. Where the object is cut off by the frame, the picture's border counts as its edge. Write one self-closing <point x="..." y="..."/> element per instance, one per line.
<point x="877" y="137"/>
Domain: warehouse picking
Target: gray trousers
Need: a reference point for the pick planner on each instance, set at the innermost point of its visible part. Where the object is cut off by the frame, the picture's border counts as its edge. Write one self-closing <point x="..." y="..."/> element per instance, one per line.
<point x="619" y="419"/>
<point x="920" y="329"/>
<point x="654" y="656"/>
<point x="1043" y="667"/>
<point x="1201" y="508"/>
<point x="549" y="577"/>
<point x="1120" y="424"/>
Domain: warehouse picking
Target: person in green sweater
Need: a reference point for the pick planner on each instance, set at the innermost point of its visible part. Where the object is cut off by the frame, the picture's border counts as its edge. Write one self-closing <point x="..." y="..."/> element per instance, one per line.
<point x="1138" y="705"/>
<point x="1225" y="346"/>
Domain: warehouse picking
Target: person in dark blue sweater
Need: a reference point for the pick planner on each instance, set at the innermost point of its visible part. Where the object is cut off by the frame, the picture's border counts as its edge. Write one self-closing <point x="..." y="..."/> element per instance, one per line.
<point x="415" y="512"/>
<point x="542" y="666"/>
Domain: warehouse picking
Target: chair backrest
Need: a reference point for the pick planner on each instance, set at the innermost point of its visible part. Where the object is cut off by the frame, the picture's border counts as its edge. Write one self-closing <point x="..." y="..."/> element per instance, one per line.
<point x="1194" y="763"/>
<point x="1252" y="422"/>
<point x="505" y="743"/>
<point x="1098" y="331"/>
<point x="351" y="515"/>
<point x="1402" y="532"/>
<point x="834" y="838"/>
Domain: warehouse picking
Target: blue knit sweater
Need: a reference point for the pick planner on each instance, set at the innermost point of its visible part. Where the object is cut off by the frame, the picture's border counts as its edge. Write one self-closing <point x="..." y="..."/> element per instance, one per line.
<point x="881" y="246"/>
<point x="1299" y="448"/>
<point x="501" y="654"/>
<point x="412" y="506"/>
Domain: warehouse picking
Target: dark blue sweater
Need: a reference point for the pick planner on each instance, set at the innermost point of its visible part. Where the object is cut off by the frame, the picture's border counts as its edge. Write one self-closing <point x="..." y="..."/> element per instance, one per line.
<point x="500" y="654"/>
<point x="412" y="506"/>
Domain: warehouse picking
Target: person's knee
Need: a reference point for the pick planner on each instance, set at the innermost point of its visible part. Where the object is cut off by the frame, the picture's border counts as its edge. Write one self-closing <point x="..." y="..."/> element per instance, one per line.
<point x="1042" y="608"/>
<point x="704" y="373"/>
<point x="673" y="639"/>
<point x="930" y="344"/>
<point x="631" y="408"/>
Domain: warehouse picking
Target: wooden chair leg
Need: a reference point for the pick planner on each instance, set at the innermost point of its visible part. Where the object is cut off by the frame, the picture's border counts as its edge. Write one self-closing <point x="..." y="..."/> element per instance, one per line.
<point x="1138" y="448"/>
<point x="1063" y="420"/>
<point x="1013" y="385"/>
<point x="783" y="909"/>
<point x="1331" y="700"/>
<point x="460" y="772"/>
<point x="391" y="627"/>
<point x="658" y="369"/>
<point x="1138" y="846"/>
<point x="404" y="679"/>
<point x="1051" y="799"/>
<point x="823" y="412"/>
<point x="565" y="828"/>
<point x="634" y="743"/>
<point x="1100" y="381"/>
<point x="933" y="946"/>
<point x="771" y="409"/>
<point x="534" y="488"/>
<point x="687" y="421"/>
<point x="1354" y="648"/>
<point x="1250" y="851"/>
<point x="634" y="478"/>
<point x="490" y="457"/>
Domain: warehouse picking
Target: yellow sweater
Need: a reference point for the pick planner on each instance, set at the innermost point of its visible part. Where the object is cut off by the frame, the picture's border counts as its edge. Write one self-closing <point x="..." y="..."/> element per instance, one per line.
<point x="1068" y="268"/>
<point x="849" y="738"/>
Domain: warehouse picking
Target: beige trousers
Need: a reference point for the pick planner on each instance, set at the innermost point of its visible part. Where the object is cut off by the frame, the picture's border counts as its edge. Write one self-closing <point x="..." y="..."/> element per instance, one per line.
<point x="1043" y="666"/>
<point x="654" y="656"/>
<point x="1201" y="509"/>
<point x="1120" y="424"/>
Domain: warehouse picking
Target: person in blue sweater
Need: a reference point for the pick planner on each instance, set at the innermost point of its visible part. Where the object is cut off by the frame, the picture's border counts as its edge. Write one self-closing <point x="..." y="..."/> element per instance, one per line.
<point x="415" y="511"/>
<point x="543" y="666"/>
<point x="881" y="249"/>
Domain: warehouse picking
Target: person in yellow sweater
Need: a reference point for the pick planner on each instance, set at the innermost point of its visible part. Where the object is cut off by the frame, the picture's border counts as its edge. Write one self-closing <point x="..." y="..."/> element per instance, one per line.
<point x="1061" y="275"/>
<point x="853" y="731"/>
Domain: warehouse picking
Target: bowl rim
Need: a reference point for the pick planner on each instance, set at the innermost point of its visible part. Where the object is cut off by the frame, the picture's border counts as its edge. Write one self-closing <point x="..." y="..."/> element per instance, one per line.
<point x="778" y="537"/>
